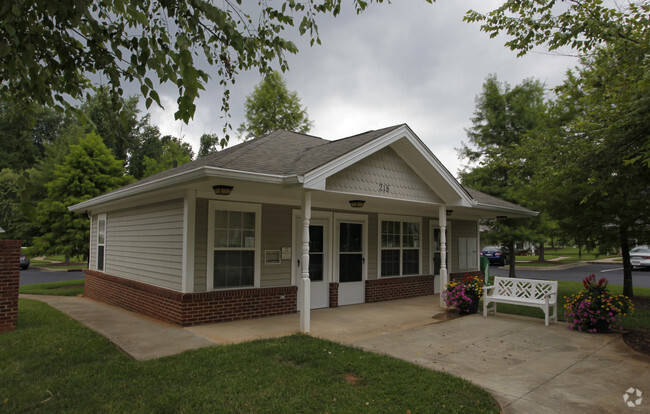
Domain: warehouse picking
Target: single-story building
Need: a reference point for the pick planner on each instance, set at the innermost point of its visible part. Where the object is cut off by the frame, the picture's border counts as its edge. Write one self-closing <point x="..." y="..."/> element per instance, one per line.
<point x="283" y="223"/>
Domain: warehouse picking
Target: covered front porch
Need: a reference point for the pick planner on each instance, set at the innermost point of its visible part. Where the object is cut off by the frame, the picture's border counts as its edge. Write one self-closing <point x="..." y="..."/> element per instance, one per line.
<point x="346" y="324"/>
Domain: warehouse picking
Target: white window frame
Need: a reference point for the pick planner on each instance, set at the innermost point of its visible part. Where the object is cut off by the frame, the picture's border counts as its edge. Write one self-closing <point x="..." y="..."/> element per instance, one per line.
<point x="401" y="220"/>
<point x="100" y="218"/>
<point x="214" y="206"/>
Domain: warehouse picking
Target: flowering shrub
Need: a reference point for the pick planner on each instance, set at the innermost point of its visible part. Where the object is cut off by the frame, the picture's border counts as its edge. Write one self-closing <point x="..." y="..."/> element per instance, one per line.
<point x="595" y="309"/>
<point x="460" y="293"/>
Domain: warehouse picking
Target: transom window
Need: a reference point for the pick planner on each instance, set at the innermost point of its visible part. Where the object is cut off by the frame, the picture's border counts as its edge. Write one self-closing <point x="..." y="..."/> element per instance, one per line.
<point x="400" y="247"/>
<point x="234" y="245"/>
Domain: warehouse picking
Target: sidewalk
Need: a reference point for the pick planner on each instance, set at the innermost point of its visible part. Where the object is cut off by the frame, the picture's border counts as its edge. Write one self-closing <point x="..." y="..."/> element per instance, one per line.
<point x="526" y="366"/>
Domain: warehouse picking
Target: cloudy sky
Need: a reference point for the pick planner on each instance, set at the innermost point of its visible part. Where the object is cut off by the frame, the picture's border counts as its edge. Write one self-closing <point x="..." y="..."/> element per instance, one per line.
<point x="407" y="62"/>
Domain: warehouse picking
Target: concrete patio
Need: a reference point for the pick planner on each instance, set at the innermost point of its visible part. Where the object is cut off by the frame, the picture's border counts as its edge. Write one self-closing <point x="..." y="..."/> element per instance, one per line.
<point x="525" y="365"/>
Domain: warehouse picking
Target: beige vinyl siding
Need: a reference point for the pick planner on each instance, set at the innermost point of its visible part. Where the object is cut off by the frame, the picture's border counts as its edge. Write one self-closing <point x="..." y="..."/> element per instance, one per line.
<point x="425" y="260"/>
<point x="201" y="246"/>
<point x="276" y="234"/>
<point x="146" y="244"/>
<point x="372" y="247"/>
<point x="93" y="242"/>
<point x="460" y="228"/>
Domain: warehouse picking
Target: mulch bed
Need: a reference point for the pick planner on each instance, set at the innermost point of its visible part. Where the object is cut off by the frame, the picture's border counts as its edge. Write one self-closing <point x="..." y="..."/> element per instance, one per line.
<point x="639" y="339"/>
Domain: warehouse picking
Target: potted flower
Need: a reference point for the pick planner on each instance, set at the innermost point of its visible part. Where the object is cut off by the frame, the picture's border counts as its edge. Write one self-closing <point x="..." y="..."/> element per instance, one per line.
<point x="594" y="309"/>
<point x="464" y="294"/>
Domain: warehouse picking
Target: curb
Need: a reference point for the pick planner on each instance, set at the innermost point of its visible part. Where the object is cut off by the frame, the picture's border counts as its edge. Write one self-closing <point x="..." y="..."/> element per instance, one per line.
<point x="47" y="269"/>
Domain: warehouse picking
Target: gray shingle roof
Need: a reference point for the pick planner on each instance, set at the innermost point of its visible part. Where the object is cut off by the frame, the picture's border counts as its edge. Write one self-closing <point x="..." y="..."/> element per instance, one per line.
<point x="285" y="153"/>
<point x="281" y="153"/>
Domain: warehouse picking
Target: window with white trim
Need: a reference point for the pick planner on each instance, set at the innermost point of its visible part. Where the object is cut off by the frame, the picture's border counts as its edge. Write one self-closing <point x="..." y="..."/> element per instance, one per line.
<point x="234" y="245"/>
<point x="400" y="247"/>
<point x="101" y="241"/>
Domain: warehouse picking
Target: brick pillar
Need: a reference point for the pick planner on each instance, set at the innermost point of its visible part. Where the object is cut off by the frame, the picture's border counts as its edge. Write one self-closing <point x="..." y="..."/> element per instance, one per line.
<point x="9" y="278"/>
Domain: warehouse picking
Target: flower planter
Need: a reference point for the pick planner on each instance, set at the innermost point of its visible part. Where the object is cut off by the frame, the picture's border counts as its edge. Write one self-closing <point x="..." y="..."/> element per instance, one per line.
<point x="470" y="308"/>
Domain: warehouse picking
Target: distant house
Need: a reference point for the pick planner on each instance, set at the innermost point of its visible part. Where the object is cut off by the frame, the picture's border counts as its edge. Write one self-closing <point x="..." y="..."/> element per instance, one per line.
<point x="244" y="232"/>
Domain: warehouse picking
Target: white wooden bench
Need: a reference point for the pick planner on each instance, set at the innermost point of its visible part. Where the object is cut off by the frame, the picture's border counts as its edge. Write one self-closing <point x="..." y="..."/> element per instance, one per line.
<point x="528" y="292"/>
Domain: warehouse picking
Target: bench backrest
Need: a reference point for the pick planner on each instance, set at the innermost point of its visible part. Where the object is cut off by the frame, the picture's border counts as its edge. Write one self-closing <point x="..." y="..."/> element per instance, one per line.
<point x="523" y="288"/>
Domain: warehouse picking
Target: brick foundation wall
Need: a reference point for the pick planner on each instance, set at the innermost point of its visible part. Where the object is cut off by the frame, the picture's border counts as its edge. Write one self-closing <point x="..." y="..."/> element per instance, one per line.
<point x="378" y="290"/>
<point x="9" y="281"/>
<point x="189" y="309"/>
<point x="454" y="276"/>
<point x="334" y="295"/>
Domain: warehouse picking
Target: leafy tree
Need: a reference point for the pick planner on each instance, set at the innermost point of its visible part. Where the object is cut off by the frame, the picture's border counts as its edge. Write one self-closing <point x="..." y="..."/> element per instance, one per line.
<point x="24" y="132"/>
<point x="585" y="26"/>
<point x="579" y="24"/>
<point x="502" y="118"/>
<point x="115" y="121"/>
<point x="210" y="144"/>
<point x="149" y="145"/>
<point x="89" y="170"/>
<point x="50" y="48"/>
<point x="174" y="153"/>
<point x="593" y="188"/>
<point x="271" y="106"/>
<point x="12" y="217"/>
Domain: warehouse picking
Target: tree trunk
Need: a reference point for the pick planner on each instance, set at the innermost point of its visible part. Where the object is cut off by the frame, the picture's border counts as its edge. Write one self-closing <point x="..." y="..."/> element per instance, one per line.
<point x="512" y="258"/>
<point x="541" y="258"/>
<point x="628" y="289"/>
<point x="67" y="259"/>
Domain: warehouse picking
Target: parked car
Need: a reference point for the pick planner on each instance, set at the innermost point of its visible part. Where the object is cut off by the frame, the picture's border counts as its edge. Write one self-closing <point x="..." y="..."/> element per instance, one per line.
<point x="495" y="255"/>
<point x="640" y="256"/>
<point x="24" y="262"/>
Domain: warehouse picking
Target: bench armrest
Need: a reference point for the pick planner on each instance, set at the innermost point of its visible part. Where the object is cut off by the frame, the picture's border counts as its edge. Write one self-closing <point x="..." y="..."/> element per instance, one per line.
<point x="486" y="288"/>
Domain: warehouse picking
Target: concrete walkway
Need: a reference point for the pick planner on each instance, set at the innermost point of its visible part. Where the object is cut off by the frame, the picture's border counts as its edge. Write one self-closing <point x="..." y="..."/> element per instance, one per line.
<point x="139" y="336"/>
<point x="528" y="367"/>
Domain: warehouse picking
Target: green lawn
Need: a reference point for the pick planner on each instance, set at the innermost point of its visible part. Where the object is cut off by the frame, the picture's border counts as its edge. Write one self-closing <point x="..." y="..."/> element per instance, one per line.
<point x="569" y="255"/>
<point x="66" y="288"/>
<point x="639" y="320"/>
<point x="52" y="363"/>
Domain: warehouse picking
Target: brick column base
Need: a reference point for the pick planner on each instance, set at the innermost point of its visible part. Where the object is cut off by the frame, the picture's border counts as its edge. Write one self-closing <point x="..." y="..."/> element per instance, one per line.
<point x="334" y="295"/>
<point x="9" y="281"/>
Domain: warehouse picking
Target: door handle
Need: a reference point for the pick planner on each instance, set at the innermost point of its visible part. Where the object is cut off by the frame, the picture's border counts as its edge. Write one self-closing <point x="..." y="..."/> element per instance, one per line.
<point x="363" y="260"/>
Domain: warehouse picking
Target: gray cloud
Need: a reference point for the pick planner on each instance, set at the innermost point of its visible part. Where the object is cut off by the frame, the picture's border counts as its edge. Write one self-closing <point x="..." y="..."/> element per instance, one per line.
<point x="407" y="62"/>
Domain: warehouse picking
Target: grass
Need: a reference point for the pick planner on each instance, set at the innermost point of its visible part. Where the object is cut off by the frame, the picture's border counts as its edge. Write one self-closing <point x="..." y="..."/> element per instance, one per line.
<point x="52" y="363"/>
<point x="639" y="320"/>
<point x="66" y="288"/>
<point x="569" y="255"/>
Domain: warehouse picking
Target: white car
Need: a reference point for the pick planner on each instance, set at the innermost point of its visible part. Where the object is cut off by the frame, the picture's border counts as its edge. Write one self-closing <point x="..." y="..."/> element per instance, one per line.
<point x="640" y="256"/>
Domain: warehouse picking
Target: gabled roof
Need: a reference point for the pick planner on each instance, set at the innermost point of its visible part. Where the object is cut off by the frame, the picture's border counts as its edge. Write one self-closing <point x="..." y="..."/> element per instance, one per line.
<point x="284" y="156"/>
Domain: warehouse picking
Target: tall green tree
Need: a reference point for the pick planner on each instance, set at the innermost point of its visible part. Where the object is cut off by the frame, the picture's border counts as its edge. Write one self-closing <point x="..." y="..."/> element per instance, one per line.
<point x="209" y="144"/>
<point x="593" y="186"/>
<point x="271" y="106"/>
<point x="503" y="116"/>
<point x="584" y="26"/>
<point x="24" y="133"/>
<point x="174" y="153"/>
<point x="89" y="170"/>
<point x="52" y="49"/>
<point x="12" y="216"/>
<point x="115" y="121"/>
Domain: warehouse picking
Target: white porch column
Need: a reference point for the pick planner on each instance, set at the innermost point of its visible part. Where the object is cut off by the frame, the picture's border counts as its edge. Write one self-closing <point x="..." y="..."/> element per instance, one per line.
<point x="189" y="231"/>
<point x="442" y="214"/>
<point x="305" y="291"/>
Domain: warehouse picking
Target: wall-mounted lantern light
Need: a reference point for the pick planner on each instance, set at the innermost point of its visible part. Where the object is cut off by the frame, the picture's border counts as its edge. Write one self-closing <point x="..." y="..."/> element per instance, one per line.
<point x="501" y="218"/>
<point x="449" y="212"/>
<point x="357" y="203"/>
<point x="222" y="190"/>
